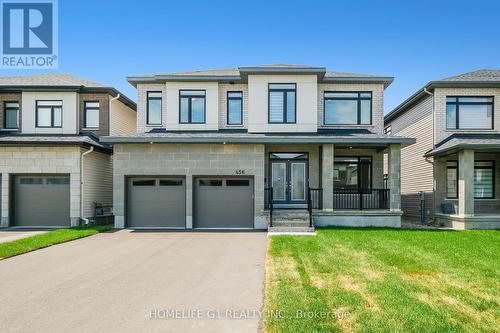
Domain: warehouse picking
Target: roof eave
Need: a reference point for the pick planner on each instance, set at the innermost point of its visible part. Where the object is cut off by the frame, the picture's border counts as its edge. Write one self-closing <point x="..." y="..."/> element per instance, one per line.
<point x="346" y="79"/>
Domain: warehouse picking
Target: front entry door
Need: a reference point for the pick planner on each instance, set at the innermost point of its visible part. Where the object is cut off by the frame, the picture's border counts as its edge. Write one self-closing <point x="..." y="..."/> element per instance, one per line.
<point x="289" y="181"/>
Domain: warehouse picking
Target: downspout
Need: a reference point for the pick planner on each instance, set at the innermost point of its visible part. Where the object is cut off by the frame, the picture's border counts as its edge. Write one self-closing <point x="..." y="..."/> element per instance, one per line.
<point x="432" y="162"/>
<point x="85" y="220"/>
<point x="111" y="113"/>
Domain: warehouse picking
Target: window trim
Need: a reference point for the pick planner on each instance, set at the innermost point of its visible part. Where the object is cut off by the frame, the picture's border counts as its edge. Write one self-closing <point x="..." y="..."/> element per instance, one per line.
<point x="457" y="111"/>
<point x="190" y="110"/>
<point x="227" y="106"/>
<point x="285" y="99"/>
<point x="358" y="157"/>
<point x="5" y="109"/>
<point x="456" y="180"/>
<point x="147" y="106"/>
<point x="358" y="99"/>
<point x="493" y="180"/>
<point x="85" y="108"/>
<point x="51" y="113"/>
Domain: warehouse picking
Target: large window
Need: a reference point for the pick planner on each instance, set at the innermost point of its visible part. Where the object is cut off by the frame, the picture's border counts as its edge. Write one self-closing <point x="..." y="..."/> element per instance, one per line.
<point x="11" y="115"/>
<point x="352" y="172"/>
<point x="49" y="113"/>
<point x="452" y="179"/>
<point x="347" y="108"/>
<point x="153" y="108"/>
<point x="91" y="118"/>
<point x="192" y="106"/>
<point x="469" y="112"/>
<point x="234" y="108"/>
<point x="282" y="103"/>
<point x="484" y="179"/>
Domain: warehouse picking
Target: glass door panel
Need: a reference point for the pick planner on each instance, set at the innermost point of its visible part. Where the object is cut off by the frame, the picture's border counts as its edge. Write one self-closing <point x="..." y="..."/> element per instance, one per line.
<point x="278" y="170"/>
<point x="298" y="181"/>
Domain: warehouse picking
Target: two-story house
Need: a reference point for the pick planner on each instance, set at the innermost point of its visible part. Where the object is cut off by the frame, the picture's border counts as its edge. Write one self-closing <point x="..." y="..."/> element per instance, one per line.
<point x="53" y="166"/>
<point x="221" y="148"/>
<point x="451" y="175"/>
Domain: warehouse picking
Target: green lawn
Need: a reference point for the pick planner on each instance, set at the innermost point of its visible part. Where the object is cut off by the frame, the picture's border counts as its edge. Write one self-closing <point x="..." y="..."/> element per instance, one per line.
<point x="384" y="280"/>
<point x="9" y="249"/>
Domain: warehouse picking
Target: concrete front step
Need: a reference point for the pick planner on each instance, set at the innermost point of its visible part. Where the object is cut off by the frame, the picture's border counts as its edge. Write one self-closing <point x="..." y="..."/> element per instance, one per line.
<point x="290" y="229"/>
<point x="295" y="224"/>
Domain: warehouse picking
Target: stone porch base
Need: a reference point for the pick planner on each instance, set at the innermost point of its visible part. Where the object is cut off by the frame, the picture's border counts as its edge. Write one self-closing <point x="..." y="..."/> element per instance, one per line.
<point x="470" y="222"/>
<point x="358" y="218"/>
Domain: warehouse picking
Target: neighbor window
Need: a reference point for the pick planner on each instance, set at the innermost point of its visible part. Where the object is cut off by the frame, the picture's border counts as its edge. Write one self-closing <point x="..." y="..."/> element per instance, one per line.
<point x="153" y="108"/>
<point x="11" y="115"/>
<point x="484" y="179"/>
<point x="91" y="118"/>
<point x="282" y="103"/>
<point x="192" y="106"/>
<point x="347" y="108"/>
<point x="49" y="113"/>
<point x="452" y="179"/>
<point x="352" y="172"/>
<point x="234" y="108"/>
<point x="469" y="112"/>
<point x="388" y="130"/>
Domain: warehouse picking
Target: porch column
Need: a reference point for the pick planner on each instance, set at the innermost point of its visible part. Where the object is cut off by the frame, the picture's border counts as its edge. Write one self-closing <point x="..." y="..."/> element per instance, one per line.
<point x="4" y="200"/>
<point x="327" y="176"/>
<point x="394" y="180"/>
<point x="466" y="183"/>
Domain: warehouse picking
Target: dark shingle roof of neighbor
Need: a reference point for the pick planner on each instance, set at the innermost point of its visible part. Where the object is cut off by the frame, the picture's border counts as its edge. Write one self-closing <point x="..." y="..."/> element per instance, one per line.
<point x="239" y="74"/>
<point x="346" y="137"/>
<point x="59" y="81"/>
<point x="10" y="139"/>
<point x="459" y="141"/>
<point x="479" y="78"/>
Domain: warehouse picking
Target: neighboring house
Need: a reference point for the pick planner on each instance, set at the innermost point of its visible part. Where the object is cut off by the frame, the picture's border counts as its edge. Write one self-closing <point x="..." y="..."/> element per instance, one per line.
<point x="452" y="174"/>
<point x="213" y="147"/>
<point x="52" y="163"/>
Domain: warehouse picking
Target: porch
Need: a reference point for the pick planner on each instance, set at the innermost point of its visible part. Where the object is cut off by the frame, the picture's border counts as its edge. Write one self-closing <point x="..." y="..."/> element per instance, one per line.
<point x="337" y="184"/>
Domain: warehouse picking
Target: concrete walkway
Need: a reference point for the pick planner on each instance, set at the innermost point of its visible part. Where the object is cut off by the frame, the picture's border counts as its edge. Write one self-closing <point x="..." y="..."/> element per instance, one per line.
<point x="7" y="235"/>
<point x="137" y="282"/>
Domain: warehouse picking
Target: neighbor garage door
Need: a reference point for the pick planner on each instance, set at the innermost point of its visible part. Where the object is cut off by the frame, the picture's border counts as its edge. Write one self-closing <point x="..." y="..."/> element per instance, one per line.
<point x="41" y="201"/>
<point x="221" y="202"/>
<point x="156" y="203"/>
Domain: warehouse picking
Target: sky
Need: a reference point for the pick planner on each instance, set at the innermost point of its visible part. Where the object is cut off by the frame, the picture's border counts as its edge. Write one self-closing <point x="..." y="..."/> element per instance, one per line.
<point x="413" y="41"/>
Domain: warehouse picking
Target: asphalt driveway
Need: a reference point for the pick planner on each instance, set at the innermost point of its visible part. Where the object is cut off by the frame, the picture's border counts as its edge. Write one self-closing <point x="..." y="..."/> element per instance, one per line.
<point x="137" y="282"/>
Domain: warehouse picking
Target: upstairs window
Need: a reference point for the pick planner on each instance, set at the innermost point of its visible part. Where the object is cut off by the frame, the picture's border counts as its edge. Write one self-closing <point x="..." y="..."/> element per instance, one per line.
<point x="282" y="103"/>
<point x="49" y="114"/>
<point x="11" y="115"/>
<point x="91" y="115"/>
<point x="192" y="106"/>
<point x="154" y="101"/>
<point x="388" y="130"/>
<point x="469" y="113"/>
<point x="347" y="108"/>
<point x="234" y="108"/>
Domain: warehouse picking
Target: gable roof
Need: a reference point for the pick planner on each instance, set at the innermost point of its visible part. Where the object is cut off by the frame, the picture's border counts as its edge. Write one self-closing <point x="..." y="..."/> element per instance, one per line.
<point x="59" y="82"/>
<point x="240" y="74"/>
<point x="483" y="78"/>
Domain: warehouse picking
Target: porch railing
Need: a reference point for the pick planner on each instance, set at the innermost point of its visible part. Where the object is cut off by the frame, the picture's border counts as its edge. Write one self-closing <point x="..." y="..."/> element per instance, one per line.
<point x="268" y="199"/>
<point x="361" y="199"/>
<point x="314" y="201"/>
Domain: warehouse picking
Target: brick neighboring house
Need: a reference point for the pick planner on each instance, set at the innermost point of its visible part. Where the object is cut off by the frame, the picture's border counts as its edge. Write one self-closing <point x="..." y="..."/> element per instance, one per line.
<point x="224" y="148"/>
<point x="454" y="165"/>
<point x="52" y="163"/>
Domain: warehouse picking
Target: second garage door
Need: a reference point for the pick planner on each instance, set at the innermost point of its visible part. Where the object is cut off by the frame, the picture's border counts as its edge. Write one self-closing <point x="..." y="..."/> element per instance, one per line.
<point x="223" y="203"/>
<point x="156" y="203"/>
<point x="41" y="201"/>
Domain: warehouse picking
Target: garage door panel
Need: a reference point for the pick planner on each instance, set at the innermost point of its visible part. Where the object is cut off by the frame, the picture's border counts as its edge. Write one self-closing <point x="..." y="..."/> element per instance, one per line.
<point x="156" y="203"/>
<point x="41" y="201"/>
<point x="223" y="203"/>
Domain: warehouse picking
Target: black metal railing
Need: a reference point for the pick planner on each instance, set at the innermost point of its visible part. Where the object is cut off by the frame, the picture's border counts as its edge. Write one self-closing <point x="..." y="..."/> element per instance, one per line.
<point x="314" y="201"/>
<point x="268" y="199"/>
<point x="361" y="199"/>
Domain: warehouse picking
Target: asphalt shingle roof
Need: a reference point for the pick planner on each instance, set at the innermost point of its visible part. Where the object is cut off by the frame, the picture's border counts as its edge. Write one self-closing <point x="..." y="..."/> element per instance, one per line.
<point x="481" y="75"/>
<point x="462" y="141"/>
<point x="62" y="79"/>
